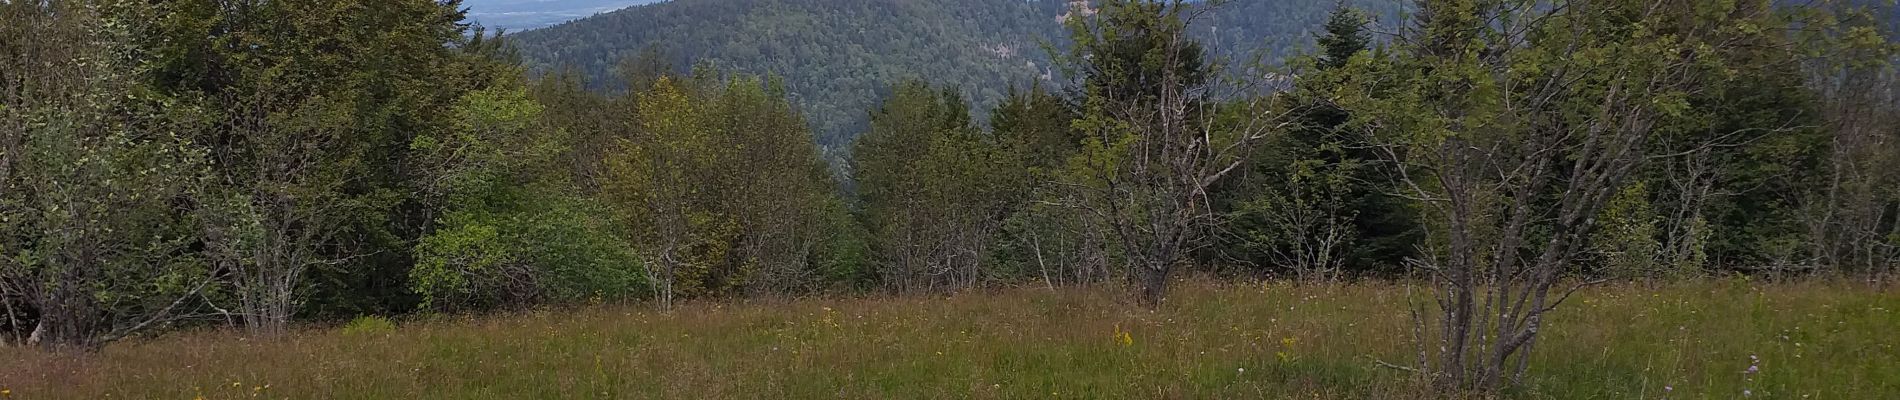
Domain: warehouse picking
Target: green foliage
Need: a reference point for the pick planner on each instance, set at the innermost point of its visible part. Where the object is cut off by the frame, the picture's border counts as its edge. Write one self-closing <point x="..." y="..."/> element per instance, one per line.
<point x="1626" y="243"/>
<point x="512" y="232"/>
<point x="655" y="185"/>
<point x="92" y="170"/>
<point x="933" y="189"/>
<point x="1128" y="51"/>
<point x="314" y="108"/>
<point x="1035" y="126"/>
<point x="368" y="325"/>
<point x="1345" y="37"/>
<point x="452" y="258"/>
<point x="1319" y="198"/>
<point x="721" y="188"/>
<point x="1043" y="238"/>
<point x="1764" y="105"/>
<point x="1524" y="131"/>
<point x="843" y="255"/>
<point x="555" y="251"/>
<point x="1160" y="133"/>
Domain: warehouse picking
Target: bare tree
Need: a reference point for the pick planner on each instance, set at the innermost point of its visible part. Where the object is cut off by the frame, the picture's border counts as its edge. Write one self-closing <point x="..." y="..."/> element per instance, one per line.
<point x="1516" y="122"/>
<point x="1851" y="221"/>
<point x="1306" y="225"/>
<point x="1685" y="228"/>
<point x="272" y="214"/>
<point x="1162" y="132"/>
<point x="934" y="190"/>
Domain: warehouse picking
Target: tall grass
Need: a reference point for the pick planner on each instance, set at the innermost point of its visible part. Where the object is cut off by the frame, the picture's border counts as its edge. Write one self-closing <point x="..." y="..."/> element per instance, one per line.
<point x="1830" y="340"/>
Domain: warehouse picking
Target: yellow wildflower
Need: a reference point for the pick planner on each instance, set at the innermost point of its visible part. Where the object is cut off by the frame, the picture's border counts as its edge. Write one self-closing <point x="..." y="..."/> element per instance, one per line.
<point x="1287" y="356"/>
<point x="1123" y="337"/>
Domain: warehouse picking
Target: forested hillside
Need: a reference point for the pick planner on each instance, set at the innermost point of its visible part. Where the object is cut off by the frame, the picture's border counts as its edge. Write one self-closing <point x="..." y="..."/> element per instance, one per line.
<point x="838" y="56"/>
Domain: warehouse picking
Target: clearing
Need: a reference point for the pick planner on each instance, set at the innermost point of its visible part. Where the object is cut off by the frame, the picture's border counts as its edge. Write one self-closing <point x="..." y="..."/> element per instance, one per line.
<point x="1698" y="340"/>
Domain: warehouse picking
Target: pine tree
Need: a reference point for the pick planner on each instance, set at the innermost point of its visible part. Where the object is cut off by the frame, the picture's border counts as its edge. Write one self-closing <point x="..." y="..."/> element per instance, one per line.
<point x="1316" y="198"/>
<point x="1345" y="37"/>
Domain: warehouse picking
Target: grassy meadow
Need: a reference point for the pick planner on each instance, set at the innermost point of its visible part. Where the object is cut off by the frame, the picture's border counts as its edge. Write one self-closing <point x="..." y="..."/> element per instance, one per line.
<point x="1823" y="340"/>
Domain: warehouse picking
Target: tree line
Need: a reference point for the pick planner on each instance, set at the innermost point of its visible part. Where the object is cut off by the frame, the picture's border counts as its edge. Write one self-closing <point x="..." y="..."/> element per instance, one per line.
<point x="255" y="163"/>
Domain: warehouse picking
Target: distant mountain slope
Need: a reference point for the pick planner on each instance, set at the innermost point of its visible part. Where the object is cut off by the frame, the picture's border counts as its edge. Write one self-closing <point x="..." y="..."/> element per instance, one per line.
<point x="518" y="15"/>
<point x="838" y="57"/>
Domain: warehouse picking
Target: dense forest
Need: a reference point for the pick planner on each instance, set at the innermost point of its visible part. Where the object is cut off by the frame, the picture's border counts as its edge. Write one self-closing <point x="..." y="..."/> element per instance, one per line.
<point x="839" y="57"/>
<point x="262" y="163"/>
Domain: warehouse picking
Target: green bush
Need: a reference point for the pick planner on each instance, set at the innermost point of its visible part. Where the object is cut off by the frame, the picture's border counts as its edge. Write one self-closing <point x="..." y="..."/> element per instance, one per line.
<point x="369" y="325"/>
<point x="556" y="252"/>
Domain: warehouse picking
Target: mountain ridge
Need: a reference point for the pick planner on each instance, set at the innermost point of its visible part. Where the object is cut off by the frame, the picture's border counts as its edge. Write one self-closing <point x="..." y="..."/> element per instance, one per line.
<point x="838" y="57"/>
<point x="520" y="15"/>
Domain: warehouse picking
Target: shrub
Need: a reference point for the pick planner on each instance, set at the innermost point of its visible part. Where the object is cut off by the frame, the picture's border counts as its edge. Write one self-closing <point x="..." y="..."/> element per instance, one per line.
<point x="369" y="325"/>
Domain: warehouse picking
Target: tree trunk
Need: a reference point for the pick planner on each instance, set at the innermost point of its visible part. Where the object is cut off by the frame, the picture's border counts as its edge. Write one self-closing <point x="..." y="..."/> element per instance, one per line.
<point x="1153" y="282"/>
<point x="13" y="319"/>
<point x="60" y="331"/>
<point x="65" y="314"/>
<point x="275" y="321"/>
<point x="39" y="332"/>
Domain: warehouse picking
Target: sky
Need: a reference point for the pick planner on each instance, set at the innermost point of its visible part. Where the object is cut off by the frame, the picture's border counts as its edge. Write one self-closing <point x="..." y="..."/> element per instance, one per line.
<point x="518" y="15"/>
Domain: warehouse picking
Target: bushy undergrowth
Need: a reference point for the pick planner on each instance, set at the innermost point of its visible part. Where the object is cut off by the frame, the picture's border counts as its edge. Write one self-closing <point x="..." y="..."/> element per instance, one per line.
<point x="368" y="325"/>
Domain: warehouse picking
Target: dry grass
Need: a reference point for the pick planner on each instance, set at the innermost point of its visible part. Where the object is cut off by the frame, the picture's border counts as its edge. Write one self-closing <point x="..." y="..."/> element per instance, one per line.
<point x="1825" y="340"/>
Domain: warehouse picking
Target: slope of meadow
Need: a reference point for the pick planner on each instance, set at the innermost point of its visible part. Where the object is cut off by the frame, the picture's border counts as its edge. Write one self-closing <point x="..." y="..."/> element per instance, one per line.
<point x="1684" y="341"/>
